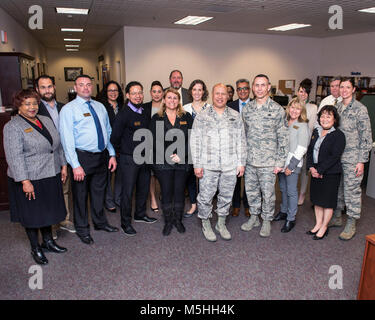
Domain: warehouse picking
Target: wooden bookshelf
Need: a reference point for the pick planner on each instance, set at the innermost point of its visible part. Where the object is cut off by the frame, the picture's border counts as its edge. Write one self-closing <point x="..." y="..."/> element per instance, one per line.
<point x="364" y="85"/>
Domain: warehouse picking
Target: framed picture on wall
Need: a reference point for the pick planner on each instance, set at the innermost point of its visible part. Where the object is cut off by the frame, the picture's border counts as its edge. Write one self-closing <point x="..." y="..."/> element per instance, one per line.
<point x="71" y="73"/>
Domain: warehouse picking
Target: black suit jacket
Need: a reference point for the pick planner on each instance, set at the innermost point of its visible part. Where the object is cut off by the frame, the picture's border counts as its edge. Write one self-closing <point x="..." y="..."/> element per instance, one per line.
<point x="111" y="112"/>
<point x="331" y="149"/>
<point x="44" y="112"/>
<point x="235" y="105"/>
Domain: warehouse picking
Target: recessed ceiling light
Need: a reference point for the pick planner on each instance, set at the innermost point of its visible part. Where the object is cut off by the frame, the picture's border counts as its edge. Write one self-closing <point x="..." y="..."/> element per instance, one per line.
<point x="368" y="10"/>
<point x="72" y="29"/>
<point x="290" y="26"/>
<point x="193" y="20"/>
<point x="68" y="39"/>
<point x="72" y="45"/>
<point x="72" y="50"/>
<point x="72" y="10"/>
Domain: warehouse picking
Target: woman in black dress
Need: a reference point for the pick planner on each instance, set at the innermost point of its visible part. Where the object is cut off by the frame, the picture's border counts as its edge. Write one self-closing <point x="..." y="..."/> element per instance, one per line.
<point x="36" y="170"/>
<point x="170" y="162"/>
<point x="323" y="161"/>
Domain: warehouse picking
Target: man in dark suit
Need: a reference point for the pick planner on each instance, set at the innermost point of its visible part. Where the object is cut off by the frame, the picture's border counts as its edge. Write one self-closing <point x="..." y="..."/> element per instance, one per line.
<point x="243" y="92"/>
<point x="49" y="107"/>
<point x="175" y="80"/>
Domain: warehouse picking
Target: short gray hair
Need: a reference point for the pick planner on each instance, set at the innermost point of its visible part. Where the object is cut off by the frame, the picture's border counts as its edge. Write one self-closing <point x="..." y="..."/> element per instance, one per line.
<point x="242" y="80"/>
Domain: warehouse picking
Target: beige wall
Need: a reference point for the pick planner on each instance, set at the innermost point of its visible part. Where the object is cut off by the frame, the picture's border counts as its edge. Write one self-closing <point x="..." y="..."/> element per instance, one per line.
<point x="152" y="53"/>
<point x="342" y="55"/>
<point x="114" y="57"/>
<point x="19" y="39"/>
<point x="58" y="59"/>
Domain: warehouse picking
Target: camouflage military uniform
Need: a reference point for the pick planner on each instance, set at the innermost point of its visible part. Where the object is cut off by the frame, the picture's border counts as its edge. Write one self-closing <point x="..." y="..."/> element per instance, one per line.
<point x="218" y="146"/>
<point x="355" y="124"/>
<point x="267" y="137"/>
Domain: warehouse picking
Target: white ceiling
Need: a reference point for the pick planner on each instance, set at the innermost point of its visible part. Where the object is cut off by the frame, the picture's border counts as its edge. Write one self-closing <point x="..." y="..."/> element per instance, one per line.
<point x="108" y="16"/>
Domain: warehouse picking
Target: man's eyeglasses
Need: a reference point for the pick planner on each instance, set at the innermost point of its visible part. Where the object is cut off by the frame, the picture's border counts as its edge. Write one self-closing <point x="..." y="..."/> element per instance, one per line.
<point x="243" y="89"/>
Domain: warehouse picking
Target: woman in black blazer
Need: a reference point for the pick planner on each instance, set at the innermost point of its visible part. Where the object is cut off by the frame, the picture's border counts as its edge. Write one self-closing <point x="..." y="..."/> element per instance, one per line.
<point x="170" y="161"/>
<point x="112" y="98"/>
<point x="323" y="161"/>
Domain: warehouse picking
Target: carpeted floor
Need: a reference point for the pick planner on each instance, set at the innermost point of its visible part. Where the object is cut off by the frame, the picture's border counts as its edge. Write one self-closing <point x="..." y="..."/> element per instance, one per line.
<point x="186" y="266"/>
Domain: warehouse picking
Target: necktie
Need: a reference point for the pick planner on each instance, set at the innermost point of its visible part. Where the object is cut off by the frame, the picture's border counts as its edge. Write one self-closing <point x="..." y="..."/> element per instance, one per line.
<point x="99" y="131"/>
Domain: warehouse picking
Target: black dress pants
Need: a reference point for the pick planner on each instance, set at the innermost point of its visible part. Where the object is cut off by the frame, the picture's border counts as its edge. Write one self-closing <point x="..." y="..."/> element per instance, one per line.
<point x="94" y="183"/>
<point x="172" y="184"/>
<point x="138" y="177"/>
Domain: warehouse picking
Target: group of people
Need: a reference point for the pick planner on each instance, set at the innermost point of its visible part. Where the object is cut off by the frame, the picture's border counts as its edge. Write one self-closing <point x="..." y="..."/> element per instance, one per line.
<point x="184" y="143"/>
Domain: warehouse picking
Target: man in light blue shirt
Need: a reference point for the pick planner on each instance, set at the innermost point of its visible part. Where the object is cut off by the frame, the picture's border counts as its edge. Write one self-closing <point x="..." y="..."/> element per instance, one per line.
<point x="85" y="132"/>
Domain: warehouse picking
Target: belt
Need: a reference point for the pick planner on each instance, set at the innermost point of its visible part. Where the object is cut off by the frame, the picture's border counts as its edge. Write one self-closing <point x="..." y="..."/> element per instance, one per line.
<point x="84" y="151"/>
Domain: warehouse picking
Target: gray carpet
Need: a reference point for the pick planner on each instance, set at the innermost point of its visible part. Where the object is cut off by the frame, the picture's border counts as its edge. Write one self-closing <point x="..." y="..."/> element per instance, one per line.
<point x="186" y="266"/>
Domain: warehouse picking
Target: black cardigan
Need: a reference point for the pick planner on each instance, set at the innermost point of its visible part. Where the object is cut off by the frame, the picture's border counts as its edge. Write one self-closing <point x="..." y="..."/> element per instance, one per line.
<point x="330" y="152"/>
<point x="183" y="123"/>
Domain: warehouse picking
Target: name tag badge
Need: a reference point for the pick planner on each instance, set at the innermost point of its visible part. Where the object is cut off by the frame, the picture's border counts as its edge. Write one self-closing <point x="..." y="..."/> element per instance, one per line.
<point x="295" y="127"/>
<point x="137" y="123"/>
<point x="29" y="130"/>
<point x="88" y="114"/>
<point x="183" y="122"/>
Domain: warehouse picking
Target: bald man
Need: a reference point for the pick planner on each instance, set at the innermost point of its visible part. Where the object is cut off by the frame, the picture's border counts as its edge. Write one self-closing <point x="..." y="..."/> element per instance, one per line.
<point x="218" y="149"/>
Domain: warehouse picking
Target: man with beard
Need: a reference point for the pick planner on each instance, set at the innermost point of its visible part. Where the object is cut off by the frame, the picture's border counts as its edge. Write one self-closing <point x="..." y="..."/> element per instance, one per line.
<point x="49" y="107"/>
<point x="175" y="80"/>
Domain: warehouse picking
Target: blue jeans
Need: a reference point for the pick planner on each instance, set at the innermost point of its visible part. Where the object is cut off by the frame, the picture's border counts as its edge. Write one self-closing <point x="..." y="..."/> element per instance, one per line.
<point x="289" y="194"/>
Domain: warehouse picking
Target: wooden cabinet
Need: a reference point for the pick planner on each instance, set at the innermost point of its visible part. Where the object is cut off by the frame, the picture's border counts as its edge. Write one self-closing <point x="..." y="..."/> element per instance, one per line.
<point x="366" y="289"/>
<point x="17" y="71"/>
<point x="4" y="199"/>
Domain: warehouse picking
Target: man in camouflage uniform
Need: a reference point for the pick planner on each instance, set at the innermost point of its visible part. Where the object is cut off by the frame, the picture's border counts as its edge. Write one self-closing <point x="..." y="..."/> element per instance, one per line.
<point x="218" y="150"/>
<point x="355" y="124"/>
<point x="267" y="139"/>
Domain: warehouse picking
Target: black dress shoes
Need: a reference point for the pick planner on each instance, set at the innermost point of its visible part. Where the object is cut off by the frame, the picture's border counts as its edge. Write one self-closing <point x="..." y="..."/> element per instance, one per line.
<point x="179" y="226"/>
<point x="107" y="228"/>
<point x="315" y="237"/>
<point x="310" y="233"/>
<point x="167" y="229"/>
<point x="280" y="216"/>
<point x="38" y="255"/>
<point x="145" y="219"/>
<point x="86" y="239"/>
<point x="52" y="246"/>
<point x="288" y="225"/>
<point x="129" y="230"/>
<point x="111" y="209"/>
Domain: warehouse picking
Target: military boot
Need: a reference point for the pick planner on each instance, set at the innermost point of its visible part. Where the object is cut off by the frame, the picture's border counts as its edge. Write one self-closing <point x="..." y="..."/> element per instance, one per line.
<point x="265" y="231"/>
<point x="349" y="230"/>
<point x="222" y="228"/>
<point x="336" y="220"/>
<point x="207" y="230"/>
<point x="251" y="223"/>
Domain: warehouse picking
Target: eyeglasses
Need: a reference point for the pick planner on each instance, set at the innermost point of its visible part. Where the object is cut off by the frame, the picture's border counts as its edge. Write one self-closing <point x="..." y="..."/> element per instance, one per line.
<point x="112" y="90"/>
<point x="136" y="93"/>
<point x="243" y="89"/>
